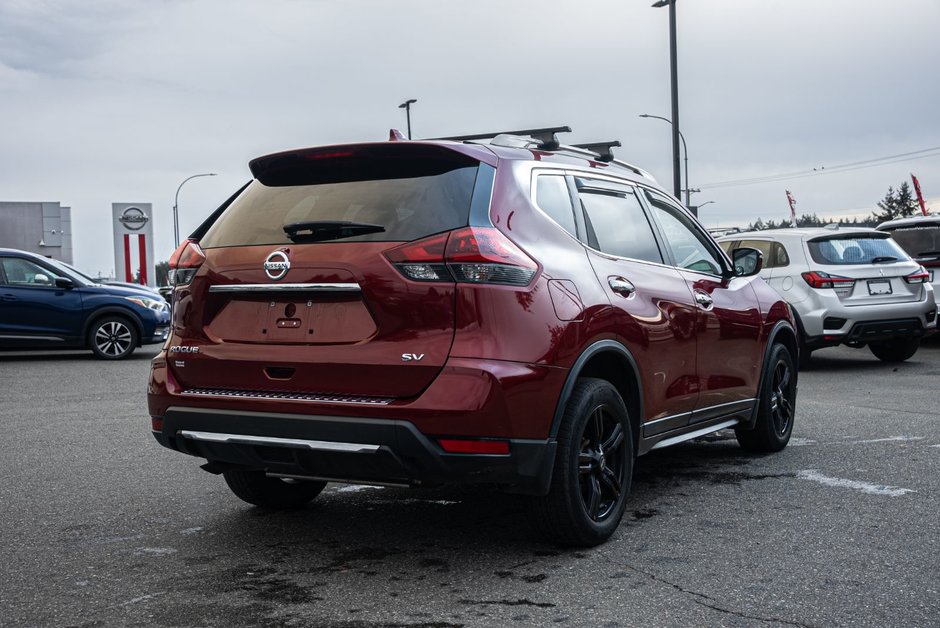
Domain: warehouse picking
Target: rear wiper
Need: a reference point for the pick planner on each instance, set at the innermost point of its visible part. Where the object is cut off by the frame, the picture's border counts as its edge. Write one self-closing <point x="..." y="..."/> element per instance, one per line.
<point x="883" y="259"/>
<point x="321" y="230"/>
<point x="928" y="253"/>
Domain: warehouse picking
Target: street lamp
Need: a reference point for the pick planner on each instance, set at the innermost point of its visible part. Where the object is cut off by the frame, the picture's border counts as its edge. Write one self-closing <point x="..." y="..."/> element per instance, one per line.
<point x="176" y="201"/>
<point x="407" y="107"/>
<point x="675" y="93"/>
<point x="685" y="150"/>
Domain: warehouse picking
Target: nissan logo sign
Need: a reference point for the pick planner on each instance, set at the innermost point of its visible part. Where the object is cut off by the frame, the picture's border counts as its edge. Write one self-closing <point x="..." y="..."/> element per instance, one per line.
<point x="277" y="265"/>
<point x="133" y="218"/>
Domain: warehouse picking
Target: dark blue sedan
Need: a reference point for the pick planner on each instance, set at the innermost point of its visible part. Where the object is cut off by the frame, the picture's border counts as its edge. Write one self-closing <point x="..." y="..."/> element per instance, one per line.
<point x="45" y="304"/>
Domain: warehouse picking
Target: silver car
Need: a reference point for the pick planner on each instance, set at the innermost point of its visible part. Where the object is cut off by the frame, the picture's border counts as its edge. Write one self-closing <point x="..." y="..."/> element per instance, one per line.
<point x="920" y="237"/>
<point x="849" y="286"/>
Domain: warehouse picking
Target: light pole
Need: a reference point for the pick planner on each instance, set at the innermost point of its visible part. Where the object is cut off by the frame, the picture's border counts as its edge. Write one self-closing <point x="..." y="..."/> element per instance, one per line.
<point x="674" y="71"/>
<point x="407" y="107"/>
<point x="685" y="150"/>
<point x="694" y="209"/>
<point x="176" y="202"/>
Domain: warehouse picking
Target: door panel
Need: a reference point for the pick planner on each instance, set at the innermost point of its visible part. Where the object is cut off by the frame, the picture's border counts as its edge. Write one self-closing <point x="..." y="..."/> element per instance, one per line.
<point x="729" y="347"/>
<point x="653" y="311"/>
<point x="31" y="305"/>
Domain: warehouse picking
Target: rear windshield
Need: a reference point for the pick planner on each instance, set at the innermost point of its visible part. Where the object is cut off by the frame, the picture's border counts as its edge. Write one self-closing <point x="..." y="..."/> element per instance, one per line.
<point x="420" y="199"/>
<point x="855" y="250"/>
<point x="919" y="241"/>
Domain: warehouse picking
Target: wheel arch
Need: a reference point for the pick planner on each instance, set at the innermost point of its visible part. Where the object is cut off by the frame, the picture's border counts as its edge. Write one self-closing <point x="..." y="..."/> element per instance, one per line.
<point x="113" y="310"/>
<point x="611" y="361"/>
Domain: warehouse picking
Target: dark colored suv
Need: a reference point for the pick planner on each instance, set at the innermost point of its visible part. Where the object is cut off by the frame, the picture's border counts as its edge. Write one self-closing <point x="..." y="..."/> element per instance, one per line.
<point x="511" y="312"/>
<point x="45" y="304"/>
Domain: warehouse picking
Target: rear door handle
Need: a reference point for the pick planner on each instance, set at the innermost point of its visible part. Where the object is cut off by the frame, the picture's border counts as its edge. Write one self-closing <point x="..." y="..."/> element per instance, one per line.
<point x="621" y="286"/>
<point x="8" y="297"/>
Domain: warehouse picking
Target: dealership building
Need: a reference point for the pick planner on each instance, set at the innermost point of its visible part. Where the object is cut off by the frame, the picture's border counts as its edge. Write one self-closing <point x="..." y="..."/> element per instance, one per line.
<point x="38" y="227"/>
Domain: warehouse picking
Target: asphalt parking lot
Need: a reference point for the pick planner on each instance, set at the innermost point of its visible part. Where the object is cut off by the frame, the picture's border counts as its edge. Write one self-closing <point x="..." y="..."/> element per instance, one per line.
<point x="102" y="527"/>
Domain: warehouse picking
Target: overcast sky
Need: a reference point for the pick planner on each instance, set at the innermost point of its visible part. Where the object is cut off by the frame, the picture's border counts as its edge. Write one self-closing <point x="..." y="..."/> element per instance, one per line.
<point x="119" y="101"/>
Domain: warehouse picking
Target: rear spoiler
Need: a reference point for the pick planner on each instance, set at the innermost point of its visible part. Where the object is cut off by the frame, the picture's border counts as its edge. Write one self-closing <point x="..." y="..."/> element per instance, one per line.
<point x="358" y="162"/>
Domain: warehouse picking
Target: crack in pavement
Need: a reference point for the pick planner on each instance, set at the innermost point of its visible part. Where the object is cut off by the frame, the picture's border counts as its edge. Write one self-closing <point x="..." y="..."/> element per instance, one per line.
<point x="706" y="601"/>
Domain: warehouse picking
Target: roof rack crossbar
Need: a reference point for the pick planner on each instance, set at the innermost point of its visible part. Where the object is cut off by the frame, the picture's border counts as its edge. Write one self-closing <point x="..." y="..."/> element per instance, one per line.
<point x="604" y="150"/>
<point x="545" y="136"/>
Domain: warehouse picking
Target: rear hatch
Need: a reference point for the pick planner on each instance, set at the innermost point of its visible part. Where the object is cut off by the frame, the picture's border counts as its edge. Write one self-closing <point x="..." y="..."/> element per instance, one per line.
<point x="867" y="268"/>
<point x="921" y="240"/>
<point x="296" y="294"/>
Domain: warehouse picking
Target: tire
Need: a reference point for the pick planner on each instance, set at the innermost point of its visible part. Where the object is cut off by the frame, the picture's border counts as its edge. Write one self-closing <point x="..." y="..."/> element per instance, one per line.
<point x="776" y="406"/>
<point x="895" y="350"/>
<point x="112" y="338"/>
<point x="258" y="489"/>
<point x="593" y="468"/>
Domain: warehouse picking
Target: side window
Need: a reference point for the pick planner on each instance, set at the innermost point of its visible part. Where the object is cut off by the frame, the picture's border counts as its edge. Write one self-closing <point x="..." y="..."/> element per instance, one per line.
<point x="764" y="247"/>
<point x="616" y="223"/>
<point x="727" y="245"/>
<point x="780" y="256"/>
<point x="551" y="196"/>
<point x="691" y="249"/>
<point x="21" y="272"/>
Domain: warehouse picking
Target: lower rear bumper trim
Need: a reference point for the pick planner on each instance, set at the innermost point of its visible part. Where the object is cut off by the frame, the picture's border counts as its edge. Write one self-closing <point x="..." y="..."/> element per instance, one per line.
<point x="271" y="441"/>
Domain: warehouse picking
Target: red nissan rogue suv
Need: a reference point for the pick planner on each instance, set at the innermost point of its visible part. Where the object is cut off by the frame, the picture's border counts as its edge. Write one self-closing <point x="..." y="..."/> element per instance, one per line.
<point x="495" y="309"/>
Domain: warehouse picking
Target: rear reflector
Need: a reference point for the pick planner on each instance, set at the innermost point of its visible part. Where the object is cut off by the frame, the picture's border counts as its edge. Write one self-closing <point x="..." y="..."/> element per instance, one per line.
<point x="495" y="447"/>
<point x="156" y="424"/>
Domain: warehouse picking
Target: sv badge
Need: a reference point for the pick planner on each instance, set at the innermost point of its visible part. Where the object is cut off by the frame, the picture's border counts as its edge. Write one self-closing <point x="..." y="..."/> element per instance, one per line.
<point x="408" y="357"/>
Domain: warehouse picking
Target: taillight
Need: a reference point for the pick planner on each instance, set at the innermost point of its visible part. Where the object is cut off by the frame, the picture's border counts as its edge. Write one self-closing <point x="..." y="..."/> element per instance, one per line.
<point x="818" y="279"/>
<point x="484" y="255"/>
<point x="422" y="260"/>
<point x="468" y="255"/>
<point x="184" y="263"/>
<point x="918" y="276"/>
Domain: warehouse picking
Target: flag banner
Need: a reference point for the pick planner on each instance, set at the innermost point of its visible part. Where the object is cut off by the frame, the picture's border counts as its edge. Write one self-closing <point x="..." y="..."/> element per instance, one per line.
<point x="920" y="197"/>
<point x="792" y="202"/>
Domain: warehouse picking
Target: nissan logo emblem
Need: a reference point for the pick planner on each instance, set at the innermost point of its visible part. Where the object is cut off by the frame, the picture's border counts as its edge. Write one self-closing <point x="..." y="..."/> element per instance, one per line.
<point x="133" y="218"/>
<point x="277" y="265"/>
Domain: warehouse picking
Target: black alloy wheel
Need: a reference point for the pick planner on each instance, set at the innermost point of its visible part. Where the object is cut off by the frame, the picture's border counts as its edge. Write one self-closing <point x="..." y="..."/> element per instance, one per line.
<point x="781" y="407"/>
<point x="593" y="468"/>
<point x="601" y="463"/>
<point x="776" y="405"/>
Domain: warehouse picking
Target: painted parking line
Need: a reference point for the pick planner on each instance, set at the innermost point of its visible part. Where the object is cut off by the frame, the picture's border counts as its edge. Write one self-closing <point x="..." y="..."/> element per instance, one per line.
<point x="871" y="489"/>
<point x="801" y="442"/>
<point x="890" y="439"/>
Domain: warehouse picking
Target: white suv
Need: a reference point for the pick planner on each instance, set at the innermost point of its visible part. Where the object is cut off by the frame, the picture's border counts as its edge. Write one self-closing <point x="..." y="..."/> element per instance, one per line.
<point x="847" y="286"/>
<point x="920" y="237"/>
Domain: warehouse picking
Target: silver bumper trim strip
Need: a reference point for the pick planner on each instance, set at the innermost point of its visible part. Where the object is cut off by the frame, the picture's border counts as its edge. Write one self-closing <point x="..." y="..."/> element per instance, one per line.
<point x="271" y="441"/>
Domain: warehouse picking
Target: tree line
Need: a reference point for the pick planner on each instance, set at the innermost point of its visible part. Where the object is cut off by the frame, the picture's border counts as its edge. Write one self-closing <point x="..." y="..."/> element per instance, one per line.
<point x="899" y="203"/>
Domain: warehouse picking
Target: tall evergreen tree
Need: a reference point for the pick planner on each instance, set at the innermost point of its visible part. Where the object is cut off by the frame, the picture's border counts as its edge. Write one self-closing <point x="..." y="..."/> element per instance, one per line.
<point x="898" y="203"/>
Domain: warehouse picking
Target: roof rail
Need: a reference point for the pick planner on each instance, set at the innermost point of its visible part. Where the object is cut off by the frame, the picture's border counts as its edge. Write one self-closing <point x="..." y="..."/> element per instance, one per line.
<point x="604" y="150"/>
<point x="636" y="169"/>
<point x="545" y="137"/>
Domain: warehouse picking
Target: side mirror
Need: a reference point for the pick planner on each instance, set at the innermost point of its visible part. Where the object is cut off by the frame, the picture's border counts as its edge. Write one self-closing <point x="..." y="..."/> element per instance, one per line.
<point x="64" y="283"/>
<point x="747" y="261"/>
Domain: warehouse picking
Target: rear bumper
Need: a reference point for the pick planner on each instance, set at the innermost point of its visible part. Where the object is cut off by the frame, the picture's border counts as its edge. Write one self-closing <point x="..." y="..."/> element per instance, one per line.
<point x="872" y="331"/>
<point x="827" y="322"/>
<point x="348" y="449"/>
